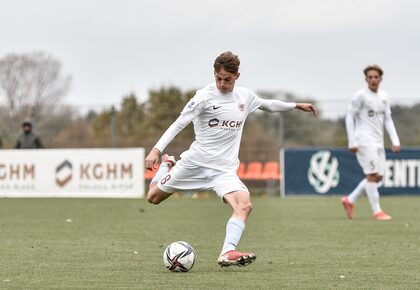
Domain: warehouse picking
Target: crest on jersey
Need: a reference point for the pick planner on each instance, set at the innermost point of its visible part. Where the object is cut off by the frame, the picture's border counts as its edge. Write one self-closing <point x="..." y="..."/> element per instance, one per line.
<point x="241" y="106"/>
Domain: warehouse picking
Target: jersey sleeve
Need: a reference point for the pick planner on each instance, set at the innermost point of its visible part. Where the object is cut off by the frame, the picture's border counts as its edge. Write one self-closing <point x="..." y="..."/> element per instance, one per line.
<point x="389" y="124"/>
<point x="191" y="110"/>
<point x="351" y="136"/>
<point x="354" y="108"/>
<point x="356" y="103"/>
<point x="268" y="105"/>
<point x="254" y="102"/>
<point x="272" y="106"/>
<point x="388" y="106"/>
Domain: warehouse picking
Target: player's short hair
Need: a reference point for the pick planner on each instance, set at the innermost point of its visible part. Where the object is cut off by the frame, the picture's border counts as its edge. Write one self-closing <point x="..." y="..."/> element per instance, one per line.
<point x="373" y="67"/>
<point x="227" y="61"/>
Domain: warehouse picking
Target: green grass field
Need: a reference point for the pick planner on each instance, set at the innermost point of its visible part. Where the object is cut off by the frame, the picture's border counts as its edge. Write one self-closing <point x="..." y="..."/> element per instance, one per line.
<point x="301" y="243"/>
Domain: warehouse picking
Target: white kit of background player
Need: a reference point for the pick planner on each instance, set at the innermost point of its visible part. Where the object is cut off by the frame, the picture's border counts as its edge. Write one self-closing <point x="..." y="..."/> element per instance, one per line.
<point x="368" y="114"/>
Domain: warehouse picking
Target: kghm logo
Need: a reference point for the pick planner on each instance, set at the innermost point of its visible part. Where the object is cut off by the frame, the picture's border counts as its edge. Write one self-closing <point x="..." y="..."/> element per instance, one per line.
<point x="213" y="122"/>
<point x="63" y="173"/>
<point x="225" y="124"/>
<point x="323" y="171"/>
<point x="372" y="113"/>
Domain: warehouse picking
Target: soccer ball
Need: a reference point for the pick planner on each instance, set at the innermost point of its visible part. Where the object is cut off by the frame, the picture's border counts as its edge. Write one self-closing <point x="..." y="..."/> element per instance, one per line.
<point x="179" y="257"/>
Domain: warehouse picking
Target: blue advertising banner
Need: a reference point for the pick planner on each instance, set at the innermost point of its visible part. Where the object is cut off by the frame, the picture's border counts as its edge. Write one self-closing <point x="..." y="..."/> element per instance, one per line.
<point x="336" y="171"/>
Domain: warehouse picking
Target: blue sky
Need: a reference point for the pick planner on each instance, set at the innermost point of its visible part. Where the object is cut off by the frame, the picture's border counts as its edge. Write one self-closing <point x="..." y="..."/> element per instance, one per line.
<point x="315" y="49"/>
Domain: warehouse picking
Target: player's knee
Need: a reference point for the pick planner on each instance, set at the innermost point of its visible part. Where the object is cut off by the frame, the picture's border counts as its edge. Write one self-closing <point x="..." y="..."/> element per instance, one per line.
<point x="373" y="178"/>
<point x="153" y="199"/>
<point x="245" y="208"/>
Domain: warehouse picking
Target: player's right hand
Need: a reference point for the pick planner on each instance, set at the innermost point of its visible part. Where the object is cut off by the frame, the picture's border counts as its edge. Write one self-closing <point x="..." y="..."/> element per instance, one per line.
<point x="152" y="159"/>
<point x="307" y="107"/>
<point x="354" y="149"/>
<point x="396" y="148"/>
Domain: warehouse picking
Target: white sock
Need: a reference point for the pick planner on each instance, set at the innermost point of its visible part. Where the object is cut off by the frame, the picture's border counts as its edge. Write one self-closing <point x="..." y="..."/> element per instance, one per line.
<point x="358" y="191"/>
<point x="162" y="171"/>
<point x="373" y="196"/>
<point x="234" y="229"/>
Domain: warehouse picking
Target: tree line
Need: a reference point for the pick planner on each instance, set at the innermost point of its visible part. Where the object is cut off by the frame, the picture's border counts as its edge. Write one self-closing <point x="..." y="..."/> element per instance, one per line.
<point x="33" y="86"/>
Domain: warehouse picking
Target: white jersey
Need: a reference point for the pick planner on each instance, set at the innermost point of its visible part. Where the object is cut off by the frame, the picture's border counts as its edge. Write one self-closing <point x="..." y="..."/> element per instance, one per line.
<point x="218" y="124"/>
<point x="369" y="110"/>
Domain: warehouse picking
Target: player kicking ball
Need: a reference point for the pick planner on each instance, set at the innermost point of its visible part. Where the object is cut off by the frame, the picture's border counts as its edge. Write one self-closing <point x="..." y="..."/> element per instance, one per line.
<point x="368" y="113"/>
<point x="218" y="112"/>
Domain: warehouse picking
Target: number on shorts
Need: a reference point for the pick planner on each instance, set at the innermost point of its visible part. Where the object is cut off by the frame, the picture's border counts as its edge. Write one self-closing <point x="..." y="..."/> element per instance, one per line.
<point x="165" y="179"/>
<point x="372" y="165"/>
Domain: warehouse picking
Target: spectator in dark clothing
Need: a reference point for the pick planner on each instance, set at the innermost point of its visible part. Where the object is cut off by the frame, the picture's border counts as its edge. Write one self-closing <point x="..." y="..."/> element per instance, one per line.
<point x="28" y="140"/>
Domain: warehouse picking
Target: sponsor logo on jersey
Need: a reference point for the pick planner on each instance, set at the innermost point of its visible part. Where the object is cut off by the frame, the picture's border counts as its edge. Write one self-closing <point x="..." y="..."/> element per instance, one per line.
<point x="372" y="113"/>
<point x="213" y="122"/>
<point x="323" y="171"/>
<point x="215" y="107"/>
<point x="225" y="124"/>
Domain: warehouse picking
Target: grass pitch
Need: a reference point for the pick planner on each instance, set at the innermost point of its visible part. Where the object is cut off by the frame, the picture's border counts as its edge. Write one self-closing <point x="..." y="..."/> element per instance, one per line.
<point x="301" y="243"/>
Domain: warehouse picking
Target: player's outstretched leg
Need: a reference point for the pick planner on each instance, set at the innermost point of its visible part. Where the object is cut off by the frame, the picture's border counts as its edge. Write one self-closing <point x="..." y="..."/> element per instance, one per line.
<point x="241" y="206"/>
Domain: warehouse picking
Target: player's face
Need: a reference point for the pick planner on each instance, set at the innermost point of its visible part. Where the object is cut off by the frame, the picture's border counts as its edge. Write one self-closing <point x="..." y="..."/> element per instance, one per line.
<point x="225" y="81"/>
<point x="26" y="128"/>
<point x="373" y="78"/>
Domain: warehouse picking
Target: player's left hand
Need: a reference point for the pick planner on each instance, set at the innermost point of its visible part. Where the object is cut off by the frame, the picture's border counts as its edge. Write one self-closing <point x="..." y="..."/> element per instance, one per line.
<point x="396" y="148"/>
<point x="307" y="107"/>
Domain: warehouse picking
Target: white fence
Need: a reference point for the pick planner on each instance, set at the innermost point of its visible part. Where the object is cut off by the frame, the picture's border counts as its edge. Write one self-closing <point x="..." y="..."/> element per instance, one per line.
<point x="116" y="173"/>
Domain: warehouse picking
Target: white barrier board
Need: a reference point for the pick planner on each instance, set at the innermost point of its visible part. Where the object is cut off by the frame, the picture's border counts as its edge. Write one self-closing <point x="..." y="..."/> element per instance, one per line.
<point x="116" y="173"/>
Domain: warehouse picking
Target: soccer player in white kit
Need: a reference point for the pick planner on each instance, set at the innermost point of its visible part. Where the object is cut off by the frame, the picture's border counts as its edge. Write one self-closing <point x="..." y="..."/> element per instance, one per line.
<point x="368" y="113"/>
<point x="218" y="112"/>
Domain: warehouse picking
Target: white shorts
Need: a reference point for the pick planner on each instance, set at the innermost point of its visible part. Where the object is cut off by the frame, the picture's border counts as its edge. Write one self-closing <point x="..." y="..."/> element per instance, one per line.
<point x="372" y="159"/>
<point x="186" y="176"/>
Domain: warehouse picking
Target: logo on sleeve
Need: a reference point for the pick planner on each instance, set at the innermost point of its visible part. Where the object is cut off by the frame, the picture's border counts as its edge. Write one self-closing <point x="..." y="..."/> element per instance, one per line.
<point x="191" y="105"/>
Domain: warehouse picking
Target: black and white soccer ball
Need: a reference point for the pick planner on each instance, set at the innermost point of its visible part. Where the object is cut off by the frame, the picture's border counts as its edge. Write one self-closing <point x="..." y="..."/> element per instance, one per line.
<point x="179" y="257"/>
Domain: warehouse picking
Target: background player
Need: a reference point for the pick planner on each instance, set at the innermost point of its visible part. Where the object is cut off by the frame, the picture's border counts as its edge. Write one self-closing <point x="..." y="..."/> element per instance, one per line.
<point x="218" y="112"/>
<point x="368" y="113"/>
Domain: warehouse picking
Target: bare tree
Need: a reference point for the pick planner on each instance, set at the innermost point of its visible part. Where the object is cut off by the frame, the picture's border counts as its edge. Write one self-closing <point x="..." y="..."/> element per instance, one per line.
<point x="31" y="84"/>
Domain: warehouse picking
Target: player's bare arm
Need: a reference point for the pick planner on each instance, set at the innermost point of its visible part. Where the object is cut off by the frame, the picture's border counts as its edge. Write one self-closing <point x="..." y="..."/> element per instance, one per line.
<point x="152" y="159"/>
<point x="307" y="107"/>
